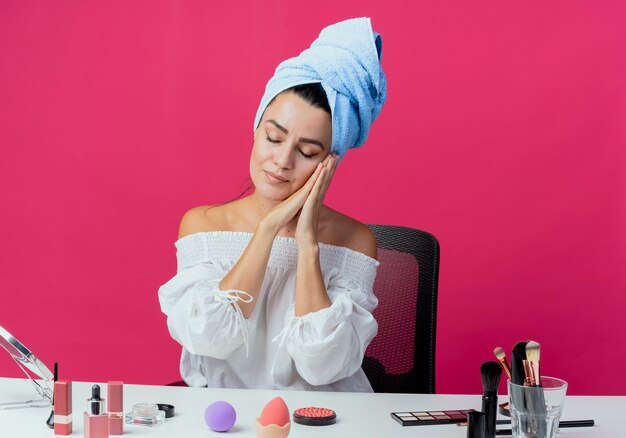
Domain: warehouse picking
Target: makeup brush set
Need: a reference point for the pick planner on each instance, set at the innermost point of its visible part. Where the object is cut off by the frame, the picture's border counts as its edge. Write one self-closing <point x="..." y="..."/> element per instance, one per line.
<point x="524" y="372"/>
<point x="535" y="402"/>
<point x="525" y="368"/>
<point x="533" y="414"/>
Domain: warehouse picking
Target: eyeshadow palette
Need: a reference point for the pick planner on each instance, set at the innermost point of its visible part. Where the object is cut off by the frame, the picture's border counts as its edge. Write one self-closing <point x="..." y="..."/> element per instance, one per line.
<point x="425" y="418"/>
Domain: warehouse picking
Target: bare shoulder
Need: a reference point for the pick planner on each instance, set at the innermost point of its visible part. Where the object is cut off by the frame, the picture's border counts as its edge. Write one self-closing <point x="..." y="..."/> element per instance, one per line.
<point x="350" y="233"/>
<point x="201" y="219"/>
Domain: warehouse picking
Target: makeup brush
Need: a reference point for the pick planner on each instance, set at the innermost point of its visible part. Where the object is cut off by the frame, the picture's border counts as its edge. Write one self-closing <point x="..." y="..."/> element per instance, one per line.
<point x="518" y="376"/>
<point x="535" y="399"/>
<point x="531" y="364"/>
<point x="501" y="356"/>
<point x="490" y="373"/>
<point x="517" y="395"/>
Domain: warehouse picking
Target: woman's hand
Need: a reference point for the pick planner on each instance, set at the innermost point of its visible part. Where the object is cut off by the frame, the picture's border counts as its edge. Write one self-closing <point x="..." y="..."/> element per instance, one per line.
<point x="249" y="271"/>
<point x="284" y="212"/>
<point x="306" y="230"/>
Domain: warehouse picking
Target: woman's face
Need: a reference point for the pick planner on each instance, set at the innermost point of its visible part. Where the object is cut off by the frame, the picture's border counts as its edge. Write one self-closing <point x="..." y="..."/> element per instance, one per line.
<point x="291" y="139"/>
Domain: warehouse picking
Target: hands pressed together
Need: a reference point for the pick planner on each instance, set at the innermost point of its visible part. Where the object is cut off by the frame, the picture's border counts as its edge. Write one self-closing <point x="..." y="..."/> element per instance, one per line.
<point x="306" y="203"/>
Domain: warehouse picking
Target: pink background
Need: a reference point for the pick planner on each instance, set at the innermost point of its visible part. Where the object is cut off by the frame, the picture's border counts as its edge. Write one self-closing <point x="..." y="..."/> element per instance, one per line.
<point x="504" y="135"/>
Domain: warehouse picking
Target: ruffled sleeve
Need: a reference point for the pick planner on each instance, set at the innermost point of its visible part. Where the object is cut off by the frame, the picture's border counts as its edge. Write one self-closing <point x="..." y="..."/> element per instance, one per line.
<point x="329" y="345"/>
<point x="198" y="317"/>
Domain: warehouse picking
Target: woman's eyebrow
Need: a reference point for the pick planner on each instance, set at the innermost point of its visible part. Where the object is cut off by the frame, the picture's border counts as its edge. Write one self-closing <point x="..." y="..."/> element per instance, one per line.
<point x="301" y="139"/>
<point x="311" y="141"/>
<point x="278" y="125"/>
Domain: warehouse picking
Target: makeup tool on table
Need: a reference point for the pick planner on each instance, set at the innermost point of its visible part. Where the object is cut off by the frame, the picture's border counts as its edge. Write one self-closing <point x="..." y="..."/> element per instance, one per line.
<point x="428" y="418"/>
<point x="274" y="420"/>
<point x="525" y="372"/>
<point x="490" y="373"/>
<point x="314" y="416"/>
<point x="501" y="356"/>
<point x="62" y="407"/>
<point x="95" y="418"/>
<point x="538" y="401"/>
<point x="50" y="420"/>
<point x="96" y="405"/>
<point x="535" y="400"/>
<point x="145" y="414"/>
<point x="33" y="368"/>
<point x="531" y="364"/>
<point x="115" y="393"/>
<point x="562" y="425"/>
<point x="168" y="409"/>
<point x="220" y="416"/>
<point x="475" y="424"/>
<point x="518" y="375"/>
<point x="503" y="408"/>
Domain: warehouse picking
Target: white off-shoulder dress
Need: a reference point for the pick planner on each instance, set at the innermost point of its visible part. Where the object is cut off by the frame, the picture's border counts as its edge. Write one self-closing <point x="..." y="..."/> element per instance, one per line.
<point x="272" y="349"/>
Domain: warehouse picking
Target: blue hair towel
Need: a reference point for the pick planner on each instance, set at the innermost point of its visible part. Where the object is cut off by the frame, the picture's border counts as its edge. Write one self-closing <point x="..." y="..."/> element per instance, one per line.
<point x="345" y="59"/>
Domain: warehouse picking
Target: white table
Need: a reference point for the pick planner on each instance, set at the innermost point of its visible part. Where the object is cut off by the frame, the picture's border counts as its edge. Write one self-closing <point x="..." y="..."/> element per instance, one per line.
<point x="358" y="415"/>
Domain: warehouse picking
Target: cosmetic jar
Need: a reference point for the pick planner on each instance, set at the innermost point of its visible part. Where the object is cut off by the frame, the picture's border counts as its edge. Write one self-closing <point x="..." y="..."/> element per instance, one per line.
<point x="145" y="414"/>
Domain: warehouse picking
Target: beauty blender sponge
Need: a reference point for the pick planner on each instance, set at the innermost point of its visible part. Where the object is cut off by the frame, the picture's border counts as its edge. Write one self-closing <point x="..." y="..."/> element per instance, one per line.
<point x="275" y="412"/>
<point x="220" y="416"/>
<point x="274" y="420"/>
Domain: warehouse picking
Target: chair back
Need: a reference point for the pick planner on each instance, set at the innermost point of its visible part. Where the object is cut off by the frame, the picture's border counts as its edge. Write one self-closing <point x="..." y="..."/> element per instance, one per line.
<point x="401" y="358"/>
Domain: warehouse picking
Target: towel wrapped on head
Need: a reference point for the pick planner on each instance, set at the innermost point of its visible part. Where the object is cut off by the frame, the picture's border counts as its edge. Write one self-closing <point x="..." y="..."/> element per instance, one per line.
<point x="345" y="59"/>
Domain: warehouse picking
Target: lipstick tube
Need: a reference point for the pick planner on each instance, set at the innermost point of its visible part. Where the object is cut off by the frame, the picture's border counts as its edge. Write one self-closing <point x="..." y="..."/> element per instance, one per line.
<point x="115" y="394"/>
<point x="62" y="407"/>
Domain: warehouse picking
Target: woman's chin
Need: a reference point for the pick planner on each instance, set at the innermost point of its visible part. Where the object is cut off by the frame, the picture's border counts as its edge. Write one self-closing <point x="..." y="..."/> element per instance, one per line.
<point x="272" y="194"/>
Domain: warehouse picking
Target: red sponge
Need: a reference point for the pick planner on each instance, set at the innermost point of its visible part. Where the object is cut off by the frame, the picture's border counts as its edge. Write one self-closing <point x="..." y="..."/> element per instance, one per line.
<point x="275" y="412"/>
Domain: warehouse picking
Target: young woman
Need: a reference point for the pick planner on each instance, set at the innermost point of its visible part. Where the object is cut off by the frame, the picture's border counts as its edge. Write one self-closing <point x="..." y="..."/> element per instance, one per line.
<point x="275" y="290"/>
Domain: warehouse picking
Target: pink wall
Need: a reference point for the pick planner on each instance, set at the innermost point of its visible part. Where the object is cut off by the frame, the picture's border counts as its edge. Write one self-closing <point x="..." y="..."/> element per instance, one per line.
<point x="503" y="135"/>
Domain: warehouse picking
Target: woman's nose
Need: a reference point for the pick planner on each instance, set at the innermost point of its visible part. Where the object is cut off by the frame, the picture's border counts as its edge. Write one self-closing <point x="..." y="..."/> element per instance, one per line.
<point x="283" y="156"/>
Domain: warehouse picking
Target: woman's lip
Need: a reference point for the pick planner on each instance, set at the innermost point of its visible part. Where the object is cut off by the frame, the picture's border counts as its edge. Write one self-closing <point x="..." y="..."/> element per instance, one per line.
<point x="274" y="178"/>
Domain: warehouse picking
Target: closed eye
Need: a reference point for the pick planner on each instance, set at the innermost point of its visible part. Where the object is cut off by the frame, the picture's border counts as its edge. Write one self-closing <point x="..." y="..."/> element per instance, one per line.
<point x="271" y="140"/>
<point x="307" y="155"/>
